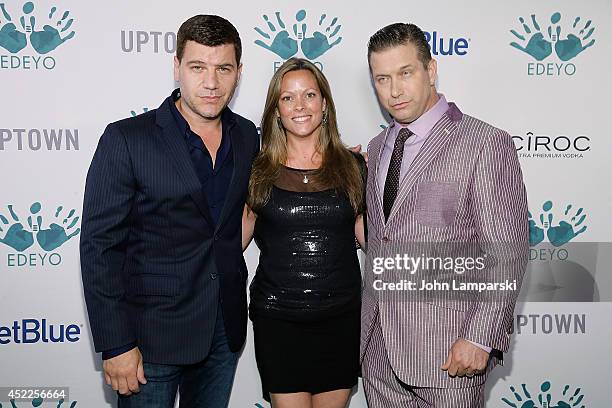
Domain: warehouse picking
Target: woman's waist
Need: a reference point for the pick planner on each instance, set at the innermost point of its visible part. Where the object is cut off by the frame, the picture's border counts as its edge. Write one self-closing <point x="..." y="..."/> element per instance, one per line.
<point x="309" y="276"/>
<point x="300" y="303"/>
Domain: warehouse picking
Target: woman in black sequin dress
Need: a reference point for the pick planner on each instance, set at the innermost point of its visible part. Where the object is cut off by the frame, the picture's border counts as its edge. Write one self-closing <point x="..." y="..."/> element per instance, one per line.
<point x="305" y="210"/>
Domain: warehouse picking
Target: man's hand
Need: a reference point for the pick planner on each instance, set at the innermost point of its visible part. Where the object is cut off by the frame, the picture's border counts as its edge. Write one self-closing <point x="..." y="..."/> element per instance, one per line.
<point x="465" y="359"/>
<point x="125" y="372"/>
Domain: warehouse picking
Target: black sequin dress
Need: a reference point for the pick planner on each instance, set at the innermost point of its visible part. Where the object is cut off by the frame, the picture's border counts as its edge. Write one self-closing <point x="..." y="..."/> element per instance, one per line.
<point x="305" y="296"/>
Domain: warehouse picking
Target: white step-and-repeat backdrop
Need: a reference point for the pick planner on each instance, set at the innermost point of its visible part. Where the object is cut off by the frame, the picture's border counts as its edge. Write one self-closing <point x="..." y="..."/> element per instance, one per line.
<point x="540" y="70"/>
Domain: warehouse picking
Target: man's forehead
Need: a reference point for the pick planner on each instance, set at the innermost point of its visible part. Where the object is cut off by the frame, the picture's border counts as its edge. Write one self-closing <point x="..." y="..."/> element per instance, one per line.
<point x="224" y="53"/>
<point x="393" y="58"/>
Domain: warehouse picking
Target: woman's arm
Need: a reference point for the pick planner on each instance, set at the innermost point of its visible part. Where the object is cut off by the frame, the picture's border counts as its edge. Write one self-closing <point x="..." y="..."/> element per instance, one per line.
<point x="360" y="222"/>
<point x="360" y="232"/>
<point x="248" y="225"/>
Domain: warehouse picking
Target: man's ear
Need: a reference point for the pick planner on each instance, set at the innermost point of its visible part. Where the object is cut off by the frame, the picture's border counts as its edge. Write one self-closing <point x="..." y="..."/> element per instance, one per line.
<point x="177" y="64"/>
<point x="432" y="71"/>
<point x="239" y="70"/>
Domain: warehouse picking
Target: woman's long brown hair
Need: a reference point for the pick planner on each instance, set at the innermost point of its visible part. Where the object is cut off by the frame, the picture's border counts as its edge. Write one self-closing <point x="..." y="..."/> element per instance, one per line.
<point x="338" y="168"/>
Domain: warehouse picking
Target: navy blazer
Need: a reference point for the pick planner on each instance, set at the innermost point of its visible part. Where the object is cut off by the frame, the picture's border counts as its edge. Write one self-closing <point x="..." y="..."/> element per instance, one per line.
<point x="155" y="267"/>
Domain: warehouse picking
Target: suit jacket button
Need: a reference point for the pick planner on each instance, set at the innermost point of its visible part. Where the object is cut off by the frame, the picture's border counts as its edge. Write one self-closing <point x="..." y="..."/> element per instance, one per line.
<point x="213" y="276"/>
<point x="386" y="239"/>
<point x="216" y="237"/>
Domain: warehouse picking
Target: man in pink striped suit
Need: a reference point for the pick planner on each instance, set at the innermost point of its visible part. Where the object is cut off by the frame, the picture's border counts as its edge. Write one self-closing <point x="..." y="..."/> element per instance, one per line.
<point x="437" y="178"/>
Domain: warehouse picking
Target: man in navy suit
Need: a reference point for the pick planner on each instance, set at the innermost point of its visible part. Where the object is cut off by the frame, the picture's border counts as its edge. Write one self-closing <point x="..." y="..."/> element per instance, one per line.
<point x="161" y="258"/>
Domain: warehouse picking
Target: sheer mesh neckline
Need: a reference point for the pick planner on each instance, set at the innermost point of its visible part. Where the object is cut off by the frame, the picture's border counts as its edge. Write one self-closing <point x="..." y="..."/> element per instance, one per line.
<point x="300" y="180"/>
<point x="302" y="170"/>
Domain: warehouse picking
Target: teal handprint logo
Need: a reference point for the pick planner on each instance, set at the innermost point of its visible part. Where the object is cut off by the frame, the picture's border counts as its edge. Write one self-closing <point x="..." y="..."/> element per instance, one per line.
<point x="58" y="232"/>
<point x="317" y="45"/>
<point x="12" y="39"/>
<point x="536" y="234"/>
<point x="573" y="44"/>
<point x="37" y="402"/>
<point x="523" y="399"/>
<point x="21" y="237"/>
<point x="16" y="236"/>
<point x="532" y="41"/>
<point x="51" y="36"/>
<point x="134" y="113"/>
<point x="568" y="228"/>
<point x="537" y="46"/>
<point x="282" y="45"/>
<point x="283" y="41"/>
<point x="43" y="41"/>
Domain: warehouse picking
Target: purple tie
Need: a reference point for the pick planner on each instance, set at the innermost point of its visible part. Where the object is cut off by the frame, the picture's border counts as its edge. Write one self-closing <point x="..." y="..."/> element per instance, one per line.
<point x="393" y="174"/>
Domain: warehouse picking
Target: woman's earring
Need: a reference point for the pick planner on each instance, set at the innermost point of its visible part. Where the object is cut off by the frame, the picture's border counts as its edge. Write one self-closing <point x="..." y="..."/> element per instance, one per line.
<point x="279" y="122"/>
<point x="324" y="121"/>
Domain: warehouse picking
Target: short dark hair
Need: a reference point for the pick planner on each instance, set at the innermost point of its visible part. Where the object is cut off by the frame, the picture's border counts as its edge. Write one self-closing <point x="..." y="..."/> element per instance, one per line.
<point x="400" y="34"/>
<point x="208" y="30"/>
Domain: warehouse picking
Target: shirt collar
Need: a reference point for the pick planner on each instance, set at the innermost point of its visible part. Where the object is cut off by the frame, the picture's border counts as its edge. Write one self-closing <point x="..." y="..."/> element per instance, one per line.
<point x="180" y="120"/>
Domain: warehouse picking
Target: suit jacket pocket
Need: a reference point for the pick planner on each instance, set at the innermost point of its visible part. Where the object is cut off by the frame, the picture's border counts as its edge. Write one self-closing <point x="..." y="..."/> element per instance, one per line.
<point x="436" y="204"/>
<point x="154" y="285"/>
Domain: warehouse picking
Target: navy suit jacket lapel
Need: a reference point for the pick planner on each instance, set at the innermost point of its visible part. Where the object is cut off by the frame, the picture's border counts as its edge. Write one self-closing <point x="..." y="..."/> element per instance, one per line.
<point x="240" y="160"/>
<point x="178" y="152"/>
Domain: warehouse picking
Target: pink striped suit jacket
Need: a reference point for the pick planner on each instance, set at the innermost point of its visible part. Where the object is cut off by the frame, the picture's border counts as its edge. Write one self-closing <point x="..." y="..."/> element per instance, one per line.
<point x="465" y="185"/>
